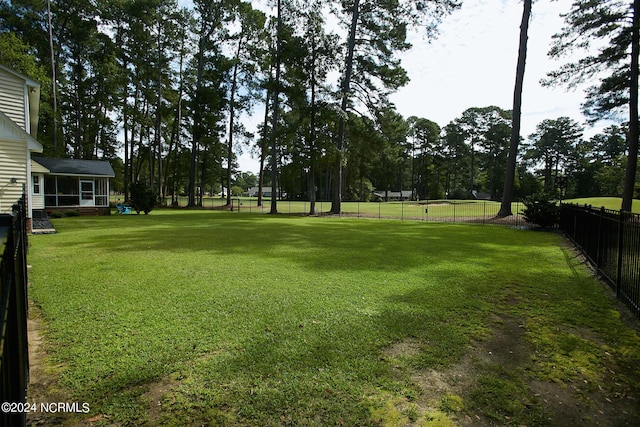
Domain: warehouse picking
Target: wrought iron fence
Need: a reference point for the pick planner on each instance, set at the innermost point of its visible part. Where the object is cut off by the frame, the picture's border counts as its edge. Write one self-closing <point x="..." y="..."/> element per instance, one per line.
<point x="611" y="242"/>
<point x="14" y="356"/>
<point x="456" y="211"/>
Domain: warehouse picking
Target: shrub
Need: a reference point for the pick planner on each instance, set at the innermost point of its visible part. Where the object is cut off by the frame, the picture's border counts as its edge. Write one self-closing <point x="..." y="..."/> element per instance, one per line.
<point x="71" y="213"/>
<point x="142" y="198"/>
<point x="236" y="190"/>
<point x="55" y="214"/>
<point x="458" y="194"/>
<point x="542" y="209"/>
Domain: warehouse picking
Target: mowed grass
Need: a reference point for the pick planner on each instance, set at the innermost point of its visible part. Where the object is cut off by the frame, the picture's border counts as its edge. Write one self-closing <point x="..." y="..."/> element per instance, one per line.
<point x="229" y="319"/>
<point x="613" y="203"/>
<point x="432" y="210"/>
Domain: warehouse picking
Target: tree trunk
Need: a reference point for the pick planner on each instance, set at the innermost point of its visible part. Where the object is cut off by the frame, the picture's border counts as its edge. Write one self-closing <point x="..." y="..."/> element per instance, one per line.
<point x="346" y="88"/>
<point x="312" y="135"/>
<point x="127" y="165"/>
<point x="507" y="194"/>
<point x="263" y="145"/>
<point x="175" y="133"/>
<point x="232" y="113"/>
<point x="158" y="135"/>
<point x="54" y="81"/>
<point x="274" y="127"/>
<point x="632" y="143"/>
<point x="197" y="123"/>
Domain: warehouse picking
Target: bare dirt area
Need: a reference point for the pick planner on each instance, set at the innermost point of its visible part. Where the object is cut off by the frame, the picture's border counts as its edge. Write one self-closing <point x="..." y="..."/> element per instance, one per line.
<point x="507" y="353"/>
<point x="44" y="377"/>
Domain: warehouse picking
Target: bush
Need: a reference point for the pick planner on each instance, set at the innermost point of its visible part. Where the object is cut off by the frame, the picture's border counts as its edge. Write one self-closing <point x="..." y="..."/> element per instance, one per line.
<point x="458" y="194"/>
<point x="236" y="190"/>
<point x="142" y="198"/>
<point x="71" y="213"/>
<point x="542" y="209"/>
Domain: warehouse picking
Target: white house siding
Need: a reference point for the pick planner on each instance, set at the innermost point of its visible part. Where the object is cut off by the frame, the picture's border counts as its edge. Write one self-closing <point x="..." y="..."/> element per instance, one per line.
<point x="37" y="173"/>
<point x="13" y="158"/>
<point x="12" y="99"/>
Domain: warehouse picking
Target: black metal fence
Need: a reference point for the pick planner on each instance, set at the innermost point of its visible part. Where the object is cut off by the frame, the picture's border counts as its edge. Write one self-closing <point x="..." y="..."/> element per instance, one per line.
<point x="611" y="242"/>
<point x="452" y="211"/>
<point x="14" y="356"/>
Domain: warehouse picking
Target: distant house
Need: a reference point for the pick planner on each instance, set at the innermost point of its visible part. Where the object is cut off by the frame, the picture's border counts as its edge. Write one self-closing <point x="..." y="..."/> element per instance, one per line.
<point x="266" y="192"/>
<point x="70" y="184"/>
<point x="480" y="196"/>
<point x="387" y="196"/>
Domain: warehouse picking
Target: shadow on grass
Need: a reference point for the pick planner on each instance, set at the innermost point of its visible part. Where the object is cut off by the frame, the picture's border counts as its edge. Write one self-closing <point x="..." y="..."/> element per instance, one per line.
<point x="324" y="297"/>
<point x="316" y="243"/>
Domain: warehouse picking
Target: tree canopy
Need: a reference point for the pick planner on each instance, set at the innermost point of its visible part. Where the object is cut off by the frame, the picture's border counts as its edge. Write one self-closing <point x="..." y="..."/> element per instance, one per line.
<point x="166" y="93"/>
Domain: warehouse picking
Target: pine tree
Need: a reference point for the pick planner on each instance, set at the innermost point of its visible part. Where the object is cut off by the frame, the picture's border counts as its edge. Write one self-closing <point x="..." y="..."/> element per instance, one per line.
<point x="608" y="31"/>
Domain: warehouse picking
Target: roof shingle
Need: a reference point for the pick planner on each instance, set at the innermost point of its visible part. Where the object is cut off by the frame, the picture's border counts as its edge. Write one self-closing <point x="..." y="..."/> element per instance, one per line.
<point x="76" y="167"/>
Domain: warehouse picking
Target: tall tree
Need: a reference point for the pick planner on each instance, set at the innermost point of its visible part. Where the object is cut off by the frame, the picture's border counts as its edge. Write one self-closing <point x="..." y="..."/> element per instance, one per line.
<point x="206" y="93"/>
<point x="276" y="106"/>
<point x="552" y="147"/>
<point x="485" y="130"/>
<point x="608" y="30"/>
<point x="507" y="193"/>
<point x="242" y="75"/>
<point x="377" y="31"/>
<point x="425" y="149"/>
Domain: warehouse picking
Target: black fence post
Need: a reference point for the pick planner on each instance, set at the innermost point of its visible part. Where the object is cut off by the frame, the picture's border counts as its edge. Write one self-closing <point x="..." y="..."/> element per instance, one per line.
<point x="14" y="356"/>
<point x="620" y="253"/>
<point x="600" y="238"/>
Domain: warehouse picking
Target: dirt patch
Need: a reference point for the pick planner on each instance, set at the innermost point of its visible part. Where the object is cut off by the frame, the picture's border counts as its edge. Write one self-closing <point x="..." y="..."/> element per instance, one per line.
<point x="507" y="352"/>
<point x="44" y="380"/>
<point x="44" y="377"/>
<point x="406" y="348"/>
<point x="156" y="394"/>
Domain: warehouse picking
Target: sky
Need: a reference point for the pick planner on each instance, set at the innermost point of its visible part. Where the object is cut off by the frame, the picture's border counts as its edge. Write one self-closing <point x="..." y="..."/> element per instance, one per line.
<point x="472" y="63"/>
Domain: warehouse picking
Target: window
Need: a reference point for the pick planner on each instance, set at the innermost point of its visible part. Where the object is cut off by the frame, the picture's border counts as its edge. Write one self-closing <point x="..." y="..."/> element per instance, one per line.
<point x="61" y="191"/>
<point x="35" y="180"/>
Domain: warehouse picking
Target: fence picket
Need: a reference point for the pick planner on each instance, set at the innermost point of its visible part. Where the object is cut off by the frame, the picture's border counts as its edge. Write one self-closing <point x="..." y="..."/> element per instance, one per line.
<point x="14" y="357"/>
<point x="611" y="242"/>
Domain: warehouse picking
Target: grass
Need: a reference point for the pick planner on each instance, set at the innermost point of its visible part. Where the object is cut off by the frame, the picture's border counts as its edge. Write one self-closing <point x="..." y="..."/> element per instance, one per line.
<point x="272" y="320"/>
<point x="613" y="203"/>
<point x="424" y="209"/>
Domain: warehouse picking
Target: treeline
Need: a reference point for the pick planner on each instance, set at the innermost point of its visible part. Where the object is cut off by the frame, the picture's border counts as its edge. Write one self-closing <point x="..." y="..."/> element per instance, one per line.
<point x="164" y="93"/>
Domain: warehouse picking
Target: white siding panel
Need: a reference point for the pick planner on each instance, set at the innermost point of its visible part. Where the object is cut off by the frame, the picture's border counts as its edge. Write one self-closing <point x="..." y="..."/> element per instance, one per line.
<point x="12" y="98"/>
<point x="37" y="200"/>
<point x="13" y="158"/>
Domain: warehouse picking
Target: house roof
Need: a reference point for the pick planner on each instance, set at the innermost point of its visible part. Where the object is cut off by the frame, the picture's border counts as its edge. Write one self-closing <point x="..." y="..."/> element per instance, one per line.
<point x="403" y="193"/>
<point x="8" y="128"/>
<point x="34" y="98"/>
<point x="58" y="166"/>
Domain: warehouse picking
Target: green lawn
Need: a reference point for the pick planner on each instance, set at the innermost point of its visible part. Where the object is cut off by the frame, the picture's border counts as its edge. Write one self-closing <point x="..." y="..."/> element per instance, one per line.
<point x="424" y="209"/>
<point x="228" y="319"/>
<point x="613" y="203"/>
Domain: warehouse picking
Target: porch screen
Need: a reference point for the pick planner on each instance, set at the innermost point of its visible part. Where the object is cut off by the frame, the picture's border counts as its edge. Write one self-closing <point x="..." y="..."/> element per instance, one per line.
<point x="61" y="191"/>
<point x="102" y="192"/>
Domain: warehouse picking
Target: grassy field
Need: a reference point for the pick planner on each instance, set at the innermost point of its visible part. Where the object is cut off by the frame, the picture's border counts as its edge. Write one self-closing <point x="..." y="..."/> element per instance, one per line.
<point x="213" y="318"/>
<point x="432" y="210"/>
<point x="613" y="203"/>
<point x="447" y="210"/>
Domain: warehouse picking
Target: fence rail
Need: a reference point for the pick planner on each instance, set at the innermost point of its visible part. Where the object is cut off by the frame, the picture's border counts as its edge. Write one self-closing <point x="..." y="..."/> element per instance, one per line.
<point x="469" y="211"/>
<point x="611" y="242"/>
<point x="14" y="356"/>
